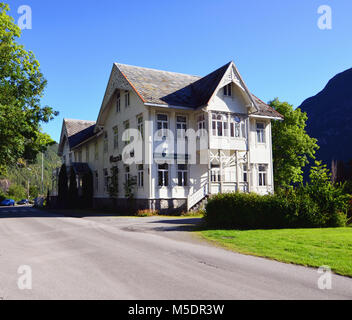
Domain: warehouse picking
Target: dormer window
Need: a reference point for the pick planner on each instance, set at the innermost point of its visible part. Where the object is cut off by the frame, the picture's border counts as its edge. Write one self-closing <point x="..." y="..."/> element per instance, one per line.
<point x="228" y="90"/>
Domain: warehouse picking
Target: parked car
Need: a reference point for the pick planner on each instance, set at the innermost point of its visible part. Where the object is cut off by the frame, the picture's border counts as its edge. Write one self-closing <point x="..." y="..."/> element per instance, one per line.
<point x="23" y="202"/>
<point x="8" y="203"/>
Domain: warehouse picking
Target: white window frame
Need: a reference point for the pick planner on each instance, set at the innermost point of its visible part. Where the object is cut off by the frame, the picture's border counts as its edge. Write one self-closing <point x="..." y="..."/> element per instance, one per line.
<point x="228" y="90"/>
<point x="236" y="128"/>
<point x="181" y="126"/>
<point x="261" y="136"/>
<point x="164" y="172"/>
<point x="164" y="125"/>
<point x="245" y="173"/>
<point x="140" y="176"/>
<point x="201" y="125"/>
<point x="127" y="99"/>
<point x="182" y="171"/>
<point x="262" y="175"/>
<point x="140" y="125"/>
<point x="215" y="173"/>
<point x="220" y="122"/>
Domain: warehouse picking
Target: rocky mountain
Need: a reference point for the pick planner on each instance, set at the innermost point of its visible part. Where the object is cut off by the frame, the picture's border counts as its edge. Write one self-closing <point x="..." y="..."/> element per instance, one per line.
<point x="330" y="118"/>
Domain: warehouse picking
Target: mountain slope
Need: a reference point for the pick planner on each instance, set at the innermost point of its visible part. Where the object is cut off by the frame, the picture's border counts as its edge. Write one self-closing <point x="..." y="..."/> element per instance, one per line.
<point x="21" y="176"/>
<point x="330" y="118"/>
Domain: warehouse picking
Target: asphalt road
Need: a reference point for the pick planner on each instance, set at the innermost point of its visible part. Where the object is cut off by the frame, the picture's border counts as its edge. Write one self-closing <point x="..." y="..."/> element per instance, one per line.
<point x="138" y="258"/>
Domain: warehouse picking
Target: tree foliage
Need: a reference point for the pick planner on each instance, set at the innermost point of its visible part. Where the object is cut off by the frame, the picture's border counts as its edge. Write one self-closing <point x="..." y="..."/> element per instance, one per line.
<point x="292" y="146"/>
<point x="73" y="190"/>
<point x="21" y="87"/>
<point x="87" y="190"/>
<point x="63" y="185"/>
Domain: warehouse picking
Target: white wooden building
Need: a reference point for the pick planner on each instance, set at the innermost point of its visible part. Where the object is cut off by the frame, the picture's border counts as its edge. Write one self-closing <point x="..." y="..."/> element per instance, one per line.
<point x="236" y="154"/>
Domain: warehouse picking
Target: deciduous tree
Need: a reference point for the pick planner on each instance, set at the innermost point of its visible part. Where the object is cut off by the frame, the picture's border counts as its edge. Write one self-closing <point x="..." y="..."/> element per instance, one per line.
<point x="292" y="146"/>
<point x="21" y="88"/>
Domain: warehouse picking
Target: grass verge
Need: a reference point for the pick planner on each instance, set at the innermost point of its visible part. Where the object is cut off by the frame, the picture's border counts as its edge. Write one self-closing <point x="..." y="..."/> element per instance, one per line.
<point x="307" y="247"/>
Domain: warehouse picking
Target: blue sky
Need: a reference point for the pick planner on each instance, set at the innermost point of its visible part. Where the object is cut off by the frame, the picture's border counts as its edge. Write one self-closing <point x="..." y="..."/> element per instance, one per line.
<point x="277" y="45"/>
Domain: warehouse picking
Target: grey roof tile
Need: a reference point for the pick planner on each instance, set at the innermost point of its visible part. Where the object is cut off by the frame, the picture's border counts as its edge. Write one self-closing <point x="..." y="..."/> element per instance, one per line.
<point x="176" y="89"/>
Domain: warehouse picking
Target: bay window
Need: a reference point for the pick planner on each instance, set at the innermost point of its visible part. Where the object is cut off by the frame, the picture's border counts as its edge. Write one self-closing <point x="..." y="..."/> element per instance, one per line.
<point x="220" y="125"/>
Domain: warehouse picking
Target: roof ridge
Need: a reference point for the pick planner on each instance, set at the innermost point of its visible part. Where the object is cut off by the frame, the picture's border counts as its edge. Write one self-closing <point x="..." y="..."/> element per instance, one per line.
<point x="158" y="70"/>
<point x="68" y="119"/>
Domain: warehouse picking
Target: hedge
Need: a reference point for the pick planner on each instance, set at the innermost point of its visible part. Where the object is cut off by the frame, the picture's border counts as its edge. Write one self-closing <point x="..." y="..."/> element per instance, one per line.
<point x="290" y="210"/>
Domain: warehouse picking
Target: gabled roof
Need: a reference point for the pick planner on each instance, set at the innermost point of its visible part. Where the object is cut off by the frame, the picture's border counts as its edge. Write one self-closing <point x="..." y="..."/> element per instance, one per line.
<point x="264" y="110"/>
<point x="182" y="90"/>
<point x="76" y="132"/>
<point x="75" y="126"/>
<point x="158" y="87"/>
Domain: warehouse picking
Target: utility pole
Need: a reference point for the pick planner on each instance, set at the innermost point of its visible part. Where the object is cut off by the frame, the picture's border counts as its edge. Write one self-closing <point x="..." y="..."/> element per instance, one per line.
<point x="42" y="173"/>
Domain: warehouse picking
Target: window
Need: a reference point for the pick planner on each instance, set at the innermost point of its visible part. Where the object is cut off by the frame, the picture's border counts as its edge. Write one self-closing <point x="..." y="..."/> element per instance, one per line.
<point x="162" y="125"/>
<point x="215" y="173"/>
<point x="235" y="127"/>
<point x="260" y="132"/>
<point x="220" y="125"/>
<point x="228" y="90"/>
<point x="140" y="181"/>
<point x="106" y="180"/>
<point x="245" y="173"/>
<point x="127" y="126"/>
<point x="127" y="174"/>
<point x="163" y="175"/>
<point x="181" y="126"/>
<point x="106" y="145"/>
<point x="116" y="138"/>
<point x="182" y="175"/>
<point x="79" y="156"/>
<point x="140" y="125"/>
<point x="118" y="102"/>
<point x="201" y="124"/>
<point x="262" y="176"/>
<point x="96" y="180"/>
<point x="87" y="154"/>
<point x="127" y="99"/>
<point x="96" y="151"/>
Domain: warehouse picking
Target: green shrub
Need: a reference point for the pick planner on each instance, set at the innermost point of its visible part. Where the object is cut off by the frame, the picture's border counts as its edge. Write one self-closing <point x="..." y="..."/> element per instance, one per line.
<point x="2" y="196"/>
<point x="147" y="213"/>
<point x="293" y="209"/>
<point x="17" y="192"/>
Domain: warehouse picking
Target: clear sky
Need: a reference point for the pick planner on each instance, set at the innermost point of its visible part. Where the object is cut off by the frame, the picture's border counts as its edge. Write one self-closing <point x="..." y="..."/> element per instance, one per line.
<point x="276" y="45"/>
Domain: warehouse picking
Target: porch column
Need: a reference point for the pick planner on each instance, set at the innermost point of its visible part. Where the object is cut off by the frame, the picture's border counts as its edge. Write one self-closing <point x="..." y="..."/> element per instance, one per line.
<point x="237" y="172"/>
<point x="221" y="172"/>
<point x="209" y="163"/>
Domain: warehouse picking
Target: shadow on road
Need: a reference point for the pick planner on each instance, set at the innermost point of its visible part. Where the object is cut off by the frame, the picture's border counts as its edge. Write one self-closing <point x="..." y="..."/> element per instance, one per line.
<point x="190" y="224"/>
<point x="25" y="212"/>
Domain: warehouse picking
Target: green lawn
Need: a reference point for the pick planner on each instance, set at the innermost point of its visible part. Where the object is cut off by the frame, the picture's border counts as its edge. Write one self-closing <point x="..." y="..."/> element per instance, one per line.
<point x="308" y="247"/>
